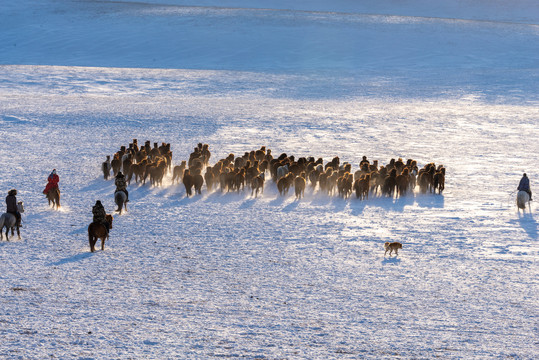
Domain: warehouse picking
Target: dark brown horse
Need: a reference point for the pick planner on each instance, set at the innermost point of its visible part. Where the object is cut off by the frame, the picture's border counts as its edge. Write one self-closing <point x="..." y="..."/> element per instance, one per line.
<point x="53" y="196"/>
<point x="362" y="187"/>
<point x="99" y="231"/>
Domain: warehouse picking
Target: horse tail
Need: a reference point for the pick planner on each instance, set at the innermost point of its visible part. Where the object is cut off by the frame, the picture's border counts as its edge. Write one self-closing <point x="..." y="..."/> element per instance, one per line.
<point x="90" y="237"/>
<point x="106" y="170"/>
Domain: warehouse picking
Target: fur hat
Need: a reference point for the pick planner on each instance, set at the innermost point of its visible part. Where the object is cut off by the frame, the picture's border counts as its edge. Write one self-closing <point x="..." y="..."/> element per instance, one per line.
<point x="98" y="202"/>
<point x="119" y="174"/>
<point x="12" y="192"/>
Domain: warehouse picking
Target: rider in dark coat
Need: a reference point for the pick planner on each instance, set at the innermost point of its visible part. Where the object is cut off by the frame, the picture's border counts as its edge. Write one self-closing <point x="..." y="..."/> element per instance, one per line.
<point x="99" y="214"/>
<point x="11" y="202"/>
<point x="524" y="185"/>
<point x="121" y="184"/>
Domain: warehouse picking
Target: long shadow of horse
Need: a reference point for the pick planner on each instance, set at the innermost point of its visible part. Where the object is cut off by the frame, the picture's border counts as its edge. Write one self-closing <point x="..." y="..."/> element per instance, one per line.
<point x="186" y="200"/>
<point x="430" y="200"/>
<point x="98" y="184"/>
<point x="398" y="204"/>
<point x="528" y="223"/>
<point x="292" y="206"/>
<point x="358" y="206"/>
<point x="278" y="201"/>
<point x="247" y="204"/>
<point x="72" y="259"/>
<point x="391" y="260"/>
<point x="219" y="197"/>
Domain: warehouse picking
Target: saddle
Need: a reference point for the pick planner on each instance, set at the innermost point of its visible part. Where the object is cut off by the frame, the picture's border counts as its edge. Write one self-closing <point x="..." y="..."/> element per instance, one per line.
<point x="104" y="223"/>
<point x="49" y="188"/>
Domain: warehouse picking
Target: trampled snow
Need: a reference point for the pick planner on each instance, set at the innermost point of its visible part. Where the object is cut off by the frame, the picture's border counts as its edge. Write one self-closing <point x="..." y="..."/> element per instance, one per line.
<point x="228" y="275"/>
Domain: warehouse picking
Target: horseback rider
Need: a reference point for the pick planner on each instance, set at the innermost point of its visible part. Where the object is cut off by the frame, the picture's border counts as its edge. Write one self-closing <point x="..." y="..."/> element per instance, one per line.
<point x="99" y="214"/>
<point x="121" y="184"/>
<point x="524" y="185"/>
<point x="52" y="183"/>
<point x="11" y="202"/>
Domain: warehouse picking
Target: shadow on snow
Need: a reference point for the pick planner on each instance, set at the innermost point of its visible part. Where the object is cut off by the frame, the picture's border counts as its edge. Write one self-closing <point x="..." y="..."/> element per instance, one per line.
<point x="72" y="259"/>
<point x="528" y="223"/>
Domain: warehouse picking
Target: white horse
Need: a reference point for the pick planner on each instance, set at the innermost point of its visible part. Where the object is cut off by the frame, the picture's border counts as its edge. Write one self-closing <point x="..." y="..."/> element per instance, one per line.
<point x="9" y="221"/>
<point x="522" y="198"/>
<point x="282" y="171"/>
<point x="119" y="198"/>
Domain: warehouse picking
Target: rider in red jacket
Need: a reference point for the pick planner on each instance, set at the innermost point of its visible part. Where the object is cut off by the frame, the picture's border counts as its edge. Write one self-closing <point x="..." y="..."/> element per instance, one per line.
<point x="53" y="181"/>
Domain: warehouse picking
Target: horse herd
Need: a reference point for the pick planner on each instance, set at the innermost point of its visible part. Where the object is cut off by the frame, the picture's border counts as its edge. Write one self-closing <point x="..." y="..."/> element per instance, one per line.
<point x="250" y="170"/>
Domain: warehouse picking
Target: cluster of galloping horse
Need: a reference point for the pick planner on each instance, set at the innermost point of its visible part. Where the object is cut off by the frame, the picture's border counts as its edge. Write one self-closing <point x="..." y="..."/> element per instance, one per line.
<point x="236" y="173"/>
<point x="141" y="162"/>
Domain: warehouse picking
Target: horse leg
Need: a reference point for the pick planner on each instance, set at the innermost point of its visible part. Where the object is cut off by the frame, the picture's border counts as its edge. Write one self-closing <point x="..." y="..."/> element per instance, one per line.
<point x="103" y="242"/>
<point x="90" y="240"/>
<point x="18" y="232"/>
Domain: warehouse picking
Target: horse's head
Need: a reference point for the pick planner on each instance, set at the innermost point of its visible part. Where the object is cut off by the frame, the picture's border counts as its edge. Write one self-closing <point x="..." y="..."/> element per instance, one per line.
<point x="20" y="206"/>
<point x="109" y="219"/>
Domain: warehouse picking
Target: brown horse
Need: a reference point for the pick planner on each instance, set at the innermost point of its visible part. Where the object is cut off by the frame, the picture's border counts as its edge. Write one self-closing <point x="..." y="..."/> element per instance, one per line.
<point x="299" y="186"/>
<point x="257" y="184"/>
<point x="53" y="196"/>
<point x="99" y="231"/>
<point x="362" y="187"/>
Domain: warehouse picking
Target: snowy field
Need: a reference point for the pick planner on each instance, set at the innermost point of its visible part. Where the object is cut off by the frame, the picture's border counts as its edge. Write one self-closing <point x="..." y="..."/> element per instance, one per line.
<point x="225" y="275"/>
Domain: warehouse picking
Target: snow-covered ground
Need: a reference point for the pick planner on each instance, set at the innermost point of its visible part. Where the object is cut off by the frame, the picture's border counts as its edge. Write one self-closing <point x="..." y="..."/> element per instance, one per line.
<point x="227" y="275"/>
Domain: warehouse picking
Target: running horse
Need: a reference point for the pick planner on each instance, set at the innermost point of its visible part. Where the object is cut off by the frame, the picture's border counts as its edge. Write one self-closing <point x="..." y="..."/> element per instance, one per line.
<point x="120" y="198"/>
<point x="9" y="221"/>
<point x="54" y="197"/>
<point x="522" y="198"/>
<point x="99" y="231"/>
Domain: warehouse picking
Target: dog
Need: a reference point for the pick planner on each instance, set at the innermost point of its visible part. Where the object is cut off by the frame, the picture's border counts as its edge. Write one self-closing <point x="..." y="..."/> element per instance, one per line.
<point x="394" y="246"/>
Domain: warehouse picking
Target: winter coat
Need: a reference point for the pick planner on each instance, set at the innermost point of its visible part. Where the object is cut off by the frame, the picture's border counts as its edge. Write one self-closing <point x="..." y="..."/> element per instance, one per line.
<point x="11" y="201"/>
<point x="524" y="184"/>
<point x="120" y="183"/>
<point x="53" y="179"/>
<point x="99" y="213"/>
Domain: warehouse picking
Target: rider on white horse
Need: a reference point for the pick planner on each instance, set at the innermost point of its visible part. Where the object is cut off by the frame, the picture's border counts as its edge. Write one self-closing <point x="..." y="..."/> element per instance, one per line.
<point x="11" y="202"/>
<point x="524" y="185"/>
<point x="121" y="184"/>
